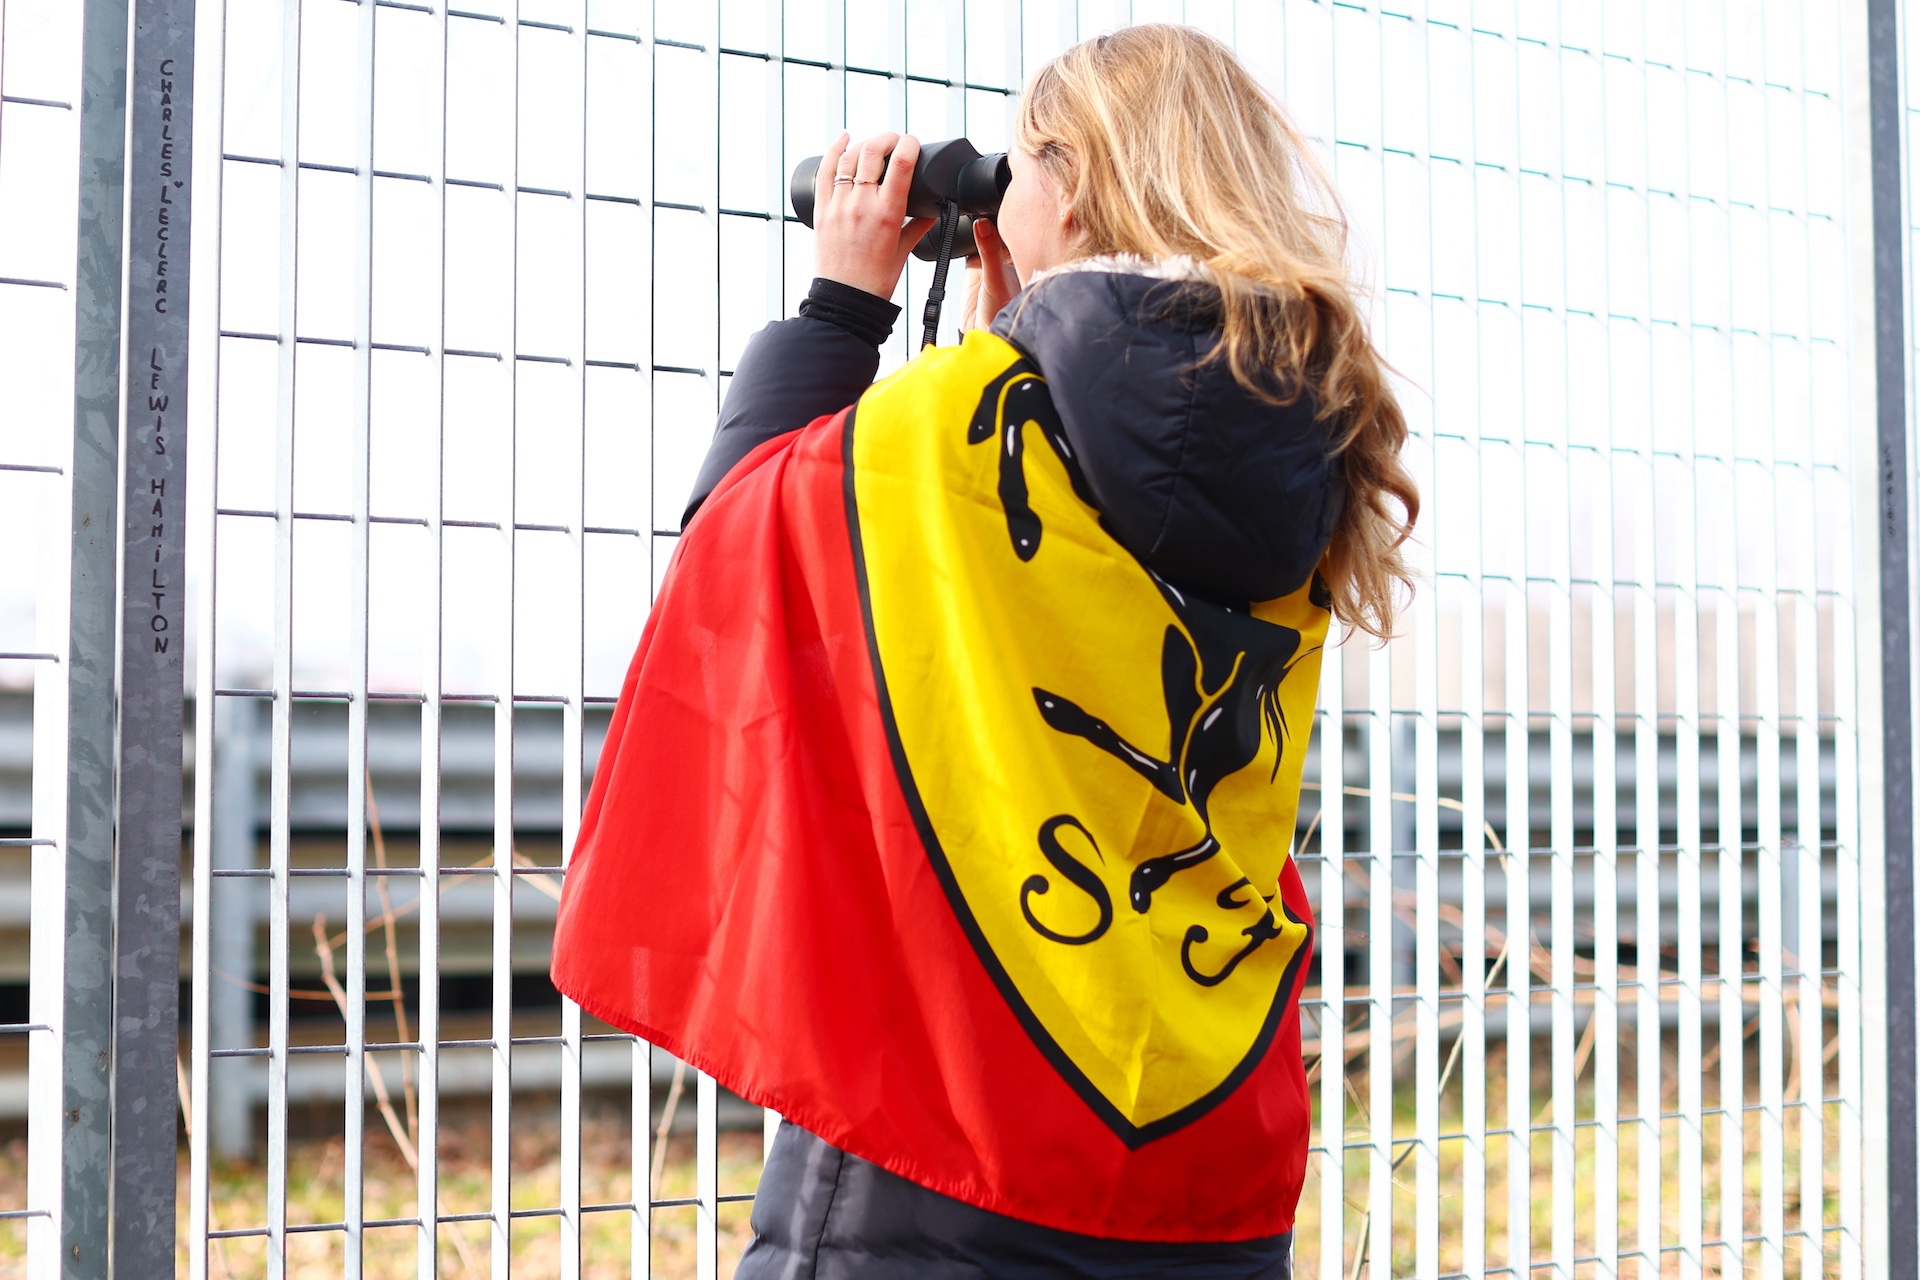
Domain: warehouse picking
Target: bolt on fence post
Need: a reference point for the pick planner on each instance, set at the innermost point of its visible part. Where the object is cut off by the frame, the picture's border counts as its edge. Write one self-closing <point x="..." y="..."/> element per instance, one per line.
<point x="146" y="992"/>
<point x="87" y="999"/>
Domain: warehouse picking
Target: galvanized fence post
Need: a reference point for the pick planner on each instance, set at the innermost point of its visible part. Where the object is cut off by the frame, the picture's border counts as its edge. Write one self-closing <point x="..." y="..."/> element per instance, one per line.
<point x="119" y="979"/>
<point x="146" y="1013"/>
<point x="1902" y="1168"/>
<point x="87" y="999"/>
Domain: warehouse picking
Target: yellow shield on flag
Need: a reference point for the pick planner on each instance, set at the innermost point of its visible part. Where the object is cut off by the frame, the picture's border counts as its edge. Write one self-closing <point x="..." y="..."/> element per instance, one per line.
<point x="1105" y="770"/>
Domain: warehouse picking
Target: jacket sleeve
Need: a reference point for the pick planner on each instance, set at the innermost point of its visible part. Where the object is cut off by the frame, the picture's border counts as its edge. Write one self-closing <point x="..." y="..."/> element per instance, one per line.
<point x="794" y="371"/>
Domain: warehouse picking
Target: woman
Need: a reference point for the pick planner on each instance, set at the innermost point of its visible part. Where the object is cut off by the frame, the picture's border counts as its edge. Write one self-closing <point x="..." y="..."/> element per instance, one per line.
<point x="949" y="804"/>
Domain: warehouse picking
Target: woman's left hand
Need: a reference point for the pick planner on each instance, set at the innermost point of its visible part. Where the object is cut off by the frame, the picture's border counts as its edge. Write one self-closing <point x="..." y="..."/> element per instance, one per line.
<point x="862" y="235"/>
<point x="992" y="281"/>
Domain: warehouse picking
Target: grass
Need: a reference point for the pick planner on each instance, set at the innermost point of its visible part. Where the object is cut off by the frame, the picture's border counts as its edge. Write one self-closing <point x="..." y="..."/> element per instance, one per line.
<point x="1450" y="1205"/>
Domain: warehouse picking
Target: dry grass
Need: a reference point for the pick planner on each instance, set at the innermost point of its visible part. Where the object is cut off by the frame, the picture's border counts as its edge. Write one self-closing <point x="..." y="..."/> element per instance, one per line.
<point x="1451" y="1207"/>
<point x="315" y="1192"/>
<point x="316" y="1185"/>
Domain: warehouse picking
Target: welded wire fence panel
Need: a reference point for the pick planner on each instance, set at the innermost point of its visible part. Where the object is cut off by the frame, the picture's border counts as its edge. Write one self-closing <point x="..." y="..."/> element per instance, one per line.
<point x="471" y="281"/>
<point x="1600" y="809"/>
<point x="482" y="277"/>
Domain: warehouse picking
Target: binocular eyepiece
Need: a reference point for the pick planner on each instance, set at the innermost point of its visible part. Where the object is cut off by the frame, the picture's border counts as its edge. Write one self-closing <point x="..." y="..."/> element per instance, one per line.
<point x="951" y="170"/>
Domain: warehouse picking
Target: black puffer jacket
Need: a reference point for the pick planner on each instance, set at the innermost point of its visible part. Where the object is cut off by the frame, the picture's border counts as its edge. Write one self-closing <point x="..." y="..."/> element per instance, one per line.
<point x="823" y="1214"/>
<point x="1219" y="491"/>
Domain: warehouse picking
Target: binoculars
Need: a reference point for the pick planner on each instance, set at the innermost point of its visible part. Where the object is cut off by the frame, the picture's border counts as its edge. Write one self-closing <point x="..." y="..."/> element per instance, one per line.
<point x="951" y="170"/>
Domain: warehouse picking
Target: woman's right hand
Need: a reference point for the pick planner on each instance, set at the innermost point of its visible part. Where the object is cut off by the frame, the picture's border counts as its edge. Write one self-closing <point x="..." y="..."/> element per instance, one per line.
<point x="991" y="281"/>
<point x="862" y="235"/>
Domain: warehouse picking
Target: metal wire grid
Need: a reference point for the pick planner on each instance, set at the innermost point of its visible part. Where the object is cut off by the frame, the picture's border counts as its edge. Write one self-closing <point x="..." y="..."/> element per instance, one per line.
<point x="1655" y="481"/>
<point x="1632" y="367"/>
<point x="688" y="229"/>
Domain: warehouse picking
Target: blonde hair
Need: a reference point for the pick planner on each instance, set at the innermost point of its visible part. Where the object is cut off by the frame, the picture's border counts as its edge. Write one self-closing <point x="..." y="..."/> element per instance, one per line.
<point x="1164" y="144"/>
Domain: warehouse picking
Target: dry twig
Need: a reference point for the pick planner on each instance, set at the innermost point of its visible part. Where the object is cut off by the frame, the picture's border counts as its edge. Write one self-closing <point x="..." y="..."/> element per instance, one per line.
<point x="389" y="921"/>
<point x="402" y="1138"/>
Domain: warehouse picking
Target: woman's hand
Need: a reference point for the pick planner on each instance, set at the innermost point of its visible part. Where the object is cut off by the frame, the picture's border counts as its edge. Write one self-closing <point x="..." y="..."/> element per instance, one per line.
<point x="991" y="280"/>
<point x="859" y="235"/>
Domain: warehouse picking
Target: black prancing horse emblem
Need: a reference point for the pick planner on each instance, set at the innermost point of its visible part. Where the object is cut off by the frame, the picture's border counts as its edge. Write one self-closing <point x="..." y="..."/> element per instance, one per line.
<point x="1220" y="675"/>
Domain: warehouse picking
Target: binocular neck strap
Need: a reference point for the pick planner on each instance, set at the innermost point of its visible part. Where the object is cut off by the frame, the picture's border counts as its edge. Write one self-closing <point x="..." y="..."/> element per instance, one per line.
<point x="937" y="292"/>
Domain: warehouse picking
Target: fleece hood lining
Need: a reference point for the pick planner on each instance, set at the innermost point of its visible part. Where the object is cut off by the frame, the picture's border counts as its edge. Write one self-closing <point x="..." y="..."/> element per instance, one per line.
<point x="1177" y="267"/>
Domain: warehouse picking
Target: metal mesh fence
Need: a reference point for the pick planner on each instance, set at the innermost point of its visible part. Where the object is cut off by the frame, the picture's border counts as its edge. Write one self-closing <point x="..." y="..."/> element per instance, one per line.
<point x="1584" y="841"/>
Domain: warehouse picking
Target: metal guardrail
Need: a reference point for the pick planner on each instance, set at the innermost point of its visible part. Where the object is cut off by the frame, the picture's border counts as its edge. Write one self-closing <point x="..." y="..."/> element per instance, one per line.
<point x="317" y="812"/>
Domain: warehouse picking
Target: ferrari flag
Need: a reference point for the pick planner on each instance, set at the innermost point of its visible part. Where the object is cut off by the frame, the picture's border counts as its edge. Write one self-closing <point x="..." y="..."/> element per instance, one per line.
<point x="933" y="820"/>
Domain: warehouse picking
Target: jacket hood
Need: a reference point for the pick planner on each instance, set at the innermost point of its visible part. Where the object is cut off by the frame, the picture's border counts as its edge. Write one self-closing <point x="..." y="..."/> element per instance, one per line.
<point x="1213" y="488"/>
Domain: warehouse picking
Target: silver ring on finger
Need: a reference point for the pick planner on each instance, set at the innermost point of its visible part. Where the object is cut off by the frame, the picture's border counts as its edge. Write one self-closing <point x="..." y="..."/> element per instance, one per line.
<point x="842" y="179"/>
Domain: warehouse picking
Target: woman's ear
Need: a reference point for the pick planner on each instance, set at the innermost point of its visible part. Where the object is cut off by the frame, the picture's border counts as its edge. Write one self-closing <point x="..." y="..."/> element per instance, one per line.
<point x="1072" y="234"/>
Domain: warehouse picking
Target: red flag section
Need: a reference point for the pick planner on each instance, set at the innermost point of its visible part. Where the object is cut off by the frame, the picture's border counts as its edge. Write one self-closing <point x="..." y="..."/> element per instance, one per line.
<point x="932" y="821"/>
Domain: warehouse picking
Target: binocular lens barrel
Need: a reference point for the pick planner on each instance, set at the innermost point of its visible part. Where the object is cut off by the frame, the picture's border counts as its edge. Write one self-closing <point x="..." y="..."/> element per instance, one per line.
<point x="950" y="170"/>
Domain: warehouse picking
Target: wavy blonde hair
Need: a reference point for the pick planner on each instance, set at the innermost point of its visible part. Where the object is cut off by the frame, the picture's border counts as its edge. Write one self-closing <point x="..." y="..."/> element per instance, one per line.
<point x="1165" y="144"/>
